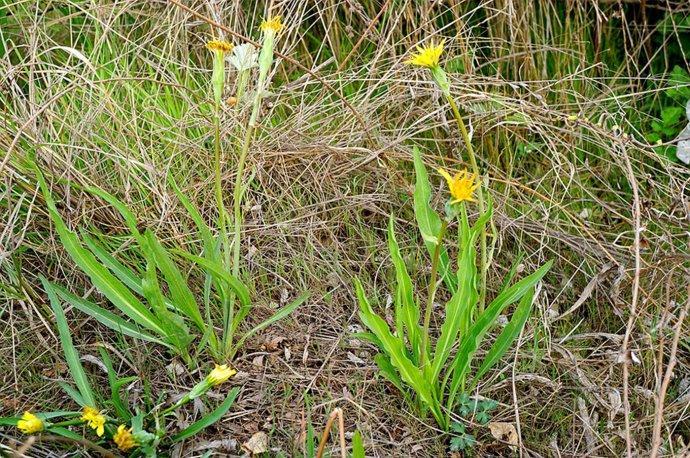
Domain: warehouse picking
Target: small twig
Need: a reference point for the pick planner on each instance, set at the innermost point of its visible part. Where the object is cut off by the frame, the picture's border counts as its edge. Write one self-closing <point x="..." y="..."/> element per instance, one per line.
<point x="635" y="294"/>
<point x="337" y="413"/>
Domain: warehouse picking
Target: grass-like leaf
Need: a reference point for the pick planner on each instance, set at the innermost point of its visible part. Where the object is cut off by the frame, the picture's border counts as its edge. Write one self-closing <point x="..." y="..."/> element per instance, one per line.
<point x="208" y="419"/>
<point x="71" y="354"/>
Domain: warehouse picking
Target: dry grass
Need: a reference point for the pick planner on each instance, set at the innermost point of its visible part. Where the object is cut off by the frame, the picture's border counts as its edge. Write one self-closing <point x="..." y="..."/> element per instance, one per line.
<point x="116" y="95"/>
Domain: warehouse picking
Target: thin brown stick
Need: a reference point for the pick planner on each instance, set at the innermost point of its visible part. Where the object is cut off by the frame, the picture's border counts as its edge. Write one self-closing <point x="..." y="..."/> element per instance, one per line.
<point x="337" y="413"/>
<point x="661" y="396"/>
<point x="635" y="295"/>
<point x="325" y="84"/>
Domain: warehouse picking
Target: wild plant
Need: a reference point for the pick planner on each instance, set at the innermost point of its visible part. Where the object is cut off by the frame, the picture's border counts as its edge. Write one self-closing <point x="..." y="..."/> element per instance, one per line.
<point x="109" y="421"/>
<point x="433" y="371"/>
<point x="162" y="318"/>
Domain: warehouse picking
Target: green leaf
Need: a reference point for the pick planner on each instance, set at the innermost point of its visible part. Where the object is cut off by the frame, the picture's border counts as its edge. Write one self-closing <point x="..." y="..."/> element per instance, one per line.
<point x="396" y="352"/>
<point x="115" y="385"/>
<point x="470" y="342"/>
<point x="102" y="279"/>
<point x="183" y="298"/>
<point x="357" y="445"/>
<point x="209" y="419"/>
<point x="122" y="272"/>
<point x="128" y="216"/>
<point x="407" y="309"/>
<point x="218" y="270"/>
<point x="459" y="307"/>
<point x="202" y="227"/>
<point x="428" y="220"/>
<point x="176" y="331"/>
<point x="507" y="336"/>
<point x="279" y="315"/>
<point x="388" y="371"/>
<point x="105" y="317"/>
<point x="71" y="354"/>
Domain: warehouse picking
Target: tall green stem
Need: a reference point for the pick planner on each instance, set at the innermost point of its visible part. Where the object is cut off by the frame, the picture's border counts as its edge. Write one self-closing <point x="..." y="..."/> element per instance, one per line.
<point x="480" y="197"/>
<point x="431" y="294"/>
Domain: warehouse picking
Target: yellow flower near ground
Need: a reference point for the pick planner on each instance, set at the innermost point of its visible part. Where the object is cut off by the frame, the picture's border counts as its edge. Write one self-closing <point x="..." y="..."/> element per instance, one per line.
<point x="124" y="439"/>
<point x="220" y="374"/>
<point x="427" y="56"/>
<point x="30" y="423"/>
<point x="95" y="419"/>
<point x="273" y="24"/>
<point x="219" y="46"/>
<point x="461" y="186"/>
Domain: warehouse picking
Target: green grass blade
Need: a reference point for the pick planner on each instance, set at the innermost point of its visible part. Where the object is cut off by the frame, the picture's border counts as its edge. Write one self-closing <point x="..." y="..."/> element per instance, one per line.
<point x="218" y="270"/>
<point x="458" y="308"/>
<point x="208" y="419"/>
<point x="357" y="445"/>
<point x="128" y="216"/>
<point x="428" y="220"/>
<point x="122" y="272"/>
<point x="71" y="354"/>
<point x="279" y="315"/>
<point x="120" y="408"/>
<point x="507" y="336"/>
<point x="202" y="227"/>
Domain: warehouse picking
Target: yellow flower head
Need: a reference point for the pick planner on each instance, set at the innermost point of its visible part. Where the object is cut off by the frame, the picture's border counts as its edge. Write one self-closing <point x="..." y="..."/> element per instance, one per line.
<point x="30" y="423"/>
<point x="219" y="46"/>
<point x="95" y="419"/>
<point x="220" y="374"/>
<point x="461" y="186"/>
<point x="427" y="56"/>
<point x="272" y="23"/>
<point x="124" y="439"/>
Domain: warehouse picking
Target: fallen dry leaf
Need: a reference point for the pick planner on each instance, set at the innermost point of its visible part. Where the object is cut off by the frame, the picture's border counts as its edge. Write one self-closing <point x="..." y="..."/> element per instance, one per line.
<point x="505" y="432"/>
<point x="256" y="444"/>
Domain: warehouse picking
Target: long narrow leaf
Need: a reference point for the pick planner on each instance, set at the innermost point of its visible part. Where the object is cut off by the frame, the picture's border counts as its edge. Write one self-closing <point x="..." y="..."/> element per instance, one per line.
<point x="183" y="298"/>
<point x="506" y="337"/>
<point x="121" y="271"/>
<point x="407" y="310"/>
<point x="428" y="220"/>
<point x="209" y="419"/>
<point x="218" y="270"/>
<point x="279" y="315"/>
<point x="471" y="341"/>
<point x="105" y="317"/>
<point x="395" y="351"/>
<point x="102" y="279"/>
<point x="71" y="354"/>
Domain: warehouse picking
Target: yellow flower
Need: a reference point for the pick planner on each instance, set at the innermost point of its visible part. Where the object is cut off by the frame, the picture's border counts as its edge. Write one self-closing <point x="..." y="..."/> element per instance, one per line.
<point x="219" y="45"/>
<point x="124" y="439"/>
<point x="427" y="56"/>
<point x="461" y="186"/>
<point x="95" y="419"/>
<point x="220" y="374"/>
<point x="30" y="423"/>
<point x="273" y="23"/>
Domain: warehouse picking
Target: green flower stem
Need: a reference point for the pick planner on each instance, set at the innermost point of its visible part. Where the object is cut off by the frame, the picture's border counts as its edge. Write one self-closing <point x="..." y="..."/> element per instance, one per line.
<point x="480" y="197"/>
<point x="431" y="293"/>
<point x="218" y="80"/>
<point x="77" y="421"/>
<point x="265" y="62"/>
